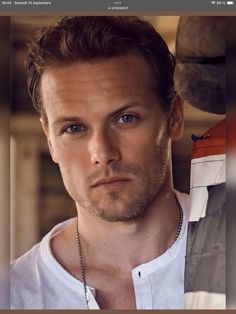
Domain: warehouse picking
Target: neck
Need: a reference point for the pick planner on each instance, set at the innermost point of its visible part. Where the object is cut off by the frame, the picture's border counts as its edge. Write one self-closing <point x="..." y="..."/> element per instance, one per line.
<point x="125" y="245"/>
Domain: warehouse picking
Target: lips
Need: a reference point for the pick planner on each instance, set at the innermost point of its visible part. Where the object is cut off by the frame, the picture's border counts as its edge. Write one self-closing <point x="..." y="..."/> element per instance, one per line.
<point x="112" y="181"/>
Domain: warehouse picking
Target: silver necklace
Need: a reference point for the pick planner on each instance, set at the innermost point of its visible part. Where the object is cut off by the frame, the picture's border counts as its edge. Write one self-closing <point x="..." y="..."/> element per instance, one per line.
<point x="82" y="263"/>
<point x="180" y="223"/>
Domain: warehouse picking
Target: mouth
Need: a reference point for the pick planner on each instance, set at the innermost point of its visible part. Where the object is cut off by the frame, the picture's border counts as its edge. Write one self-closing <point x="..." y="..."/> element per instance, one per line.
<point x="110" y="182"/>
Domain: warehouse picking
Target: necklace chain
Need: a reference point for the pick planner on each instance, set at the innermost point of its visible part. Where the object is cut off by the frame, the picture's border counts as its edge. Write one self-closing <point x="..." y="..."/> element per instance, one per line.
<point x="82" y="263"/>
<point x="180" y="223"/>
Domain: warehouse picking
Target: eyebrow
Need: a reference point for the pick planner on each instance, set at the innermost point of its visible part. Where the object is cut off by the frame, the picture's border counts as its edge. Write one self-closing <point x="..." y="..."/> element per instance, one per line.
<point x="111" y="114"/>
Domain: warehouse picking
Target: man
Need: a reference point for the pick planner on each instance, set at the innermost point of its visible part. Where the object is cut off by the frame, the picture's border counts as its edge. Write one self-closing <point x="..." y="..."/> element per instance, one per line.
<point x="104" y="90"/>
<point x="200" y="80"/>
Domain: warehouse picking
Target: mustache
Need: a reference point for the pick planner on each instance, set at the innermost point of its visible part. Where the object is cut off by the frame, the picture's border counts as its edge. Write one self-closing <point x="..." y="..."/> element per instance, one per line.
<point x="113" y="170"/>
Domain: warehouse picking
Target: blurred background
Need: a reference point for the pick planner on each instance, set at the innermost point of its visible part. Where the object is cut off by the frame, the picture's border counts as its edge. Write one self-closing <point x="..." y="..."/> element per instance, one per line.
<point x="38" y="197"/>
<point x="231" y="164"/>
<point x="4" y="160"/>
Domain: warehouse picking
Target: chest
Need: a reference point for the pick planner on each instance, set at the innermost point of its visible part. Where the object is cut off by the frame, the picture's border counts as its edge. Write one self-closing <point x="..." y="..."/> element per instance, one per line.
<point x="114" y="291"/>
<point x="163" y="289"/>
<point x="116" y="294"/>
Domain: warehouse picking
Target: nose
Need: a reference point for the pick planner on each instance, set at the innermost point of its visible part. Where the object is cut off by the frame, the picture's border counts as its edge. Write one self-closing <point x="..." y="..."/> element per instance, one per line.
<point x="103" y="148"/>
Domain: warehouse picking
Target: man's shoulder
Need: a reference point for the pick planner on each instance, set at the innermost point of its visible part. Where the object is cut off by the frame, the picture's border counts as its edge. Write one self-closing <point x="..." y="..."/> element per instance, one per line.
<point x="32" y="258"/>
<point x="38" y="281"/>
<point x="24" y="276"/>
<point x="32" y="272"/>
<point x="26" y="261"/>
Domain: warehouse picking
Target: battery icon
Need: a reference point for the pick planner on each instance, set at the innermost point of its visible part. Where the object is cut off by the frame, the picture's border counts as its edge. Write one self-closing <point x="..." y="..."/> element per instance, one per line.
<point x="230" y="2"/>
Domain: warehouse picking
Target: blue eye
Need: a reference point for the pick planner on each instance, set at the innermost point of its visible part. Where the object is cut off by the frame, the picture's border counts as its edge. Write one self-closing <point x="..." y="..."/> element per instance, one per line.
<point x="127" y="118"/>
<point x="75" y="128"/>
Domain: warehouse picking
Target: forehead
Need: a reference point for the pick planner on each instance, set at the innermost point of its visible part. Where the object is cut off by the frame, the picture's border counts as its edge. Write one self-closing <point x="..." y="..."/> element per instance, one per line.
<point x="117" y="79"/>
<point x="130" y="66"/>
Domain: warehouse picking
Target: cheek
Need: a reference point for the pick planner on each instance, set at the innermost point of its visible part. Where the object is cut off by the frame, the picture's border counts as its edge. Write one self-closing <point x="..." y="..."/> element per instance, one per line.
<point x="73" y="172"/>
<point x="140" y="151"/>
<point x="144" y="142"/>
<point x="71" y="159"/>
<point x="161" y="135"/>
<point x="151" y="152"/>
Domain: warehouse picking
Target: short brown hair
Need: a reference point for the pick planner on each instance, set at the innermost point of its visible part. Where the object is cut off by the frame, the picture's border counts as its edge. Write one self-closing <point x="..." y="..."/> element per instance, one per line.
<point x="87" y="38"/>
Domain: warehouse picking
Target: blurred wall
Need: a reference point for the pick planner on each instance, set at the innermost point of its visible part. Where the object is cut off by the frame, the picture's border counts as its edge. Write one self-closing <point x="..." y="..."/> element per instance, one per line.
<point x="4" y="160"/>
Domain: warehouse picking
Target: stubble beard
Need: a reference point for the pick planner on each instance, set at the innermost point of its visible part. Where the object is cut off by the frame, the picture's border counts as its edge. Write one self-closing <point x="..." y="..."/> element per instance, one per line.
<point x="118" y="209"/>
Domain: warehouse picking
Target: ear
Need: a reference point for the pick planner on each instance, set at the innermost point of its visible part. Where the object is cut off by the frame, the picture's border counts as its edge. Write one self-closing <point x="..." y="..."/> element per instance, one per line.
<point x="50" y="146"/>
<point x="176" y="119"/>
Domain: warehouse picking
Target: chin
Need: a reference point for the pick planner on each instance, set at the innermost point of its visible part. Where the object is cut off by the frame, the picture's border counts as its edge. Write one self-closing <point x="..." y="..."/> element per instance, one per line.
<point x="116" y="213"/>
<point x="117" y="218"/>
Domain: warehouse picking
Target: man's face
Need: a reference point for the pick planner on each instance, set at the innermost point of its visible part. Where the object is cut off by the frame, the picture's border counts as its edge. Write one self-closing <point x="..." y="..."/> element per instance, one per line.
<point x="107" y="132"/>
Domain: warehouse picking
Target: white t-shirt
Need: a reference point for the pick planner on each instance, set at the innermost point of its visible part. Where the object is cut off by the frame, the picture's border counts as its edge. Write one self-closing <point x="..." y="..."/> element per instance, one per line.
<point x="38" y="281"/>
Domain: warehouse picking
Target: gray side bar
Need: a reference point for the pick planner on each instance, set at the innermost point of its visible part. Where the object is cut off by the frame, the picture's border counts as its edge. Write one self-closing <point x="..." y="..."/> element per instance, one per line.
<point x="116" y="6"/>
